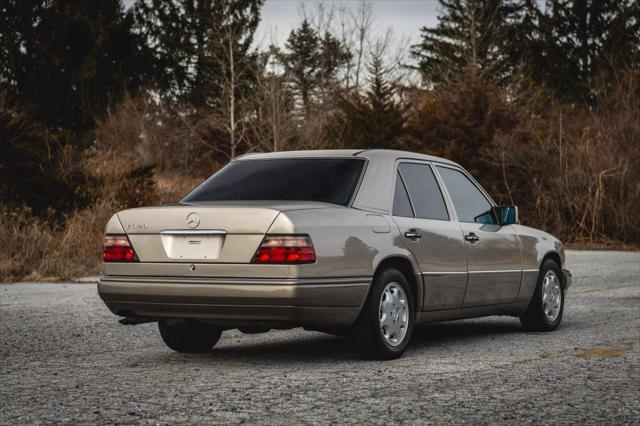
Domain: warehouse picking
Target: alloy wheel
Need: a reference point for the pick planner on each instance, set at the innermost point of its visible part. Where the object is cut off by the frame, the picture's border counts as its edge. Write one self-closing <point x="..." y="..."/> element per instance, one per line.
<point x="394" y="314"/>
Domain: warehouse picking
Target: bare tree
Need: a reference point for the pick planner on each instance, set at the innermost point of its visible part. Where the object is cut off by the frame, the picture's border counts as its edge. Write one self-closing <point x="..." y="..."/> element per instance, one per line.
<point x="229" y="94"/>
<point x="362" y="20"/>
<point x="274" y="125"/>
<point x="232" y="116"/>
<point x="321" y="17"/>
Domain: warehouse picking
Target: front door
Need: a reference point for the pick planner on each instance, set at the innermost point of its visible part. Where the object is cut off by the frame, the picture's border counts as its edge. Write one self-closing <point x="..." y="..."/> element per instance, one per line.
<point x="493" y="251"/>
<point x="431" y="235"/>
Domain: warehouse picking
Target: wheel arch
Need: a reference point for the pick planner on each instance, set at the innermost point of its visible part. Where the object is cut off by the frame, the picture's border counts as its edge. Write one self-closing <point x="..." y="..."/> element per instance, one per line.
<point x="408" y="269"/>
<point x="555" y="256"/>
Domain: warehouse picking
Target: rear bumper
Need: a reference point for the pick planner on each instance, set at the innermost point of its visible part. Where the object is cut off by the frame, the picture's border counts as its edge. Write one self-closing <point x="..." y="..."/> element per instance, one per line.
<point x="333" y="302"/>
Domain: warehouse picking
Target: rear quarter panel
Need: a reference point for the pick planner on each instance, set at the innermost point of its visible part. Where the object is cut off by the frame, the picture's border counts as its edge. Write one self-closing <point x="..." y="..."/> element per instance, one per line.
<point x="348" y="242"/>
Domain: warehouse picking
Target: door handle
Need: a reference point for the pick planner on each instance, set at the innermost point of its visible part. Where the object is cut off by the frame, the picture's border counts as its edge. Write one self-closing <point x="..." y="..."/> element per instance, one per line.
<point x="472" y="237"/>
<point x="413" y="234"/>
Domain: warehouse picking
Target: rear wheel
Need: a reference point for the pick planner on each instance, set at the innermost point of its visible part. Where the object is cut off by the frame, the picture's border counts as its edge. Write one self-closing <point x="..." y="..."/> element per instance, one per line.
<point x="189" y="336"/>
<point x="545" y="311"/>
<point x="385" y="325"/>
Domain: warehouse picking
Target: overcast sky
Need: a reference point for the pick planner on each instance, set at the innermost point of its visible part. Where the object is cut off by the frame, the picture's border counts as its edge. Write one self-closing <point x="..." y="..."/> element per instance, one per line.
<point x="404" y="17"/>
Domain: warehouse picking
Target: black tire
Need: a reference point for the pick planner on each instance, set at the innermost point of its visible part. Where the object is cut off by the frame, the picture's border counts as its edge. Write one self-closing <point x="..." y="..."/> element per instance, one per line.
<point x="535" y="318"/>
<point x="189" y="336"/>
<point x="367" y="333"/>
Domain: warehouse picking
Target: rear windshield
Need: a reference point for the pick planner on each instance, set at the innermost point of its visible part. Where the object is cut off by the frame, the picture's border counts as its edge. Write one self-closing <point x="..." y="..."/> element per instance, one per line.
<point x="326" y="180"/>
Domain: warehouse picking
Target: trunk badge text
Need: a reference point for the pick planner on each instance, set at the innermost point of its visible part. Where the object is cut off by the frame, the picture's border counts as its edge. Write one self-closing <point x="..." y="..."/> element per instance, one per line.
<point x="193" y="220"/>
<point x="137" y="226"/>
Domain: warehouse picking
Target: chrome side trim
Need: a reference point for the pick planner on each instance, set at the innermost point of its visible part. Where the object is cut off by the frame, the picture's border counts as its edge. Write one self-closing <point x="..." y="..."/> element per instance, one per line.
<point x="193" y="232"/>
<point x="445" y="273"/>
<point x="480" y="272"/>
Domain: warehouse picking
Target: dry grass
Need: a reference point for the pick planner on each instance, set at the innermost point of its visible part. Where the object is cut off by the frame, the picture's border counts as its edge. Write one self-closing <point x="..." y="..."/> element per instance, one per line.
<point x="172" y="187"/>
<point x="41" y="251"/>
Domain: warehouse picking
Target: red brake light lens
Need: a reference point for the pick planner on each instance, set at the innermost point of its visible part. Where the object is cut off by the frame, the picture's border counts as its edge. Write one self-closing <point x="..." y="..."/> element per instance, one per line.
<point x="117" y="248"/>
<point x="287" y="249"/>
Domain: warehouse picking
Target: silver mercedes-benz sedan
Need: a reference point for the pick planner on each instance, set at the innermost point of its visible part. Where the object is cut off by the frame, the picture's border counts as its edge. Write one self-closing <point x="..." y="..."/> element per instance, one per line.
<point x="364" y="243"/>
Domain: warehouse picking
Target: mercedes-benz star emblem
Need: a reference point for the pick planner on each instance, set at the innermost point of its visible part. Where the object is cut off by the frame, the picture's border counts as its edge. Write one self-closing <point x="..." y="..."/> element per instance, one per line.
<point x="193" y="220"/>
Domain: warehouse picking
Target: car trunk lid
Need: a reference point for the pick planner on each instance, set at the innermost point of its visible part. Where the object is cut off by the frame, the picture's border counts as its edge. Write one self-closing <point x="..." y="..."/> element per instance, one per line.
<point x="221" y="232"/>
<point x="197" y="233"/>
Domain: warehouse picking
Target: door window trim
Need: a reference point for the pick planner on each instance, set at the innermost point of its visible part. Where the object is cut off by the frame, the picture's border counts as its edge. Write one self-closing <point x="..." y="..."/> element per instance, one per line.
<point x="439" y="183"/>
<point x="473" y="182"/>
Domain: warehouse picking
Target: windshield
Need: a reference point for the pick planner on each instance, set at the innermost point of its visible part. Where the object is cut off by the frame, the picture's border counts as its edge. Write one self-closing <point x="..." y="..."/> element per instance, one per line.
<point x="325" y="180"/>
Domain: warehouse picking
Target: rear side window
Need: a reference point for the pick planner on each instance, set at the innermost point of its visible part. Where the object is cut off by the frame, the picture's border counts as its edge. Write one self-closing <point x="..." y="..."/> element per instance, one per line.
<point x="424" y="192"/>
<point x="401" y="203"/>
<point x="288" y="179"/>
<point x="470" y="204"/>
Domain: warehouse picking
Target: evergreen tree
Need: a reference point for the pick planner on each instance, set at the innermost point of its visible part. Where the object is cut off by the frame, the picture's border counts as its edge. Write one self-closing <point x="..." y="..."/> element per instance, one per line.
<point x="303" y="60"/>
<point x="471" y="35"/>
<point x="564" y="44"/>
<point x="62" y="64"/>
<point x="373" y="120"/>
<point x="580" y="41"/>
<point x="190" y="41"/>
<point x="66" y="61"/>
<point x="333" y="56"/>
<point x="313" y="61"/>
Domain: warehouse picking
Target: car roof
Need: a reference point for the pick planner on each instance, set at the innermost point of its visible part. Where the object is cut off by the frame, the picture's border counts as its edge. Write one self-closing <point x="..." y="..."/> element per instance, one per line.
<point x="346" y="153"/>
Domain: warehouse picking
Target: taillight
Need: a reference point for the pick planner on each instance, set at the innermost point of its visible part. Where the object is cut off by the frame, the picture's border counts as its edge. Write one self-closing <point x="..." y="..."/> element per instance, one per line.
<point x="117" y="248"/>
<point x="285" y="249"/>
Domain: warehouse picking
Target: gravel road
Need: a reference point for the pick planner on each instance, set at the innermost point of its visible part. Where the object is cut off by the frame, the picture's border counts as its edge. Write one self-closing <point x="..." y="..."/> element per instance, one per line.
<point x="65" y="359"/>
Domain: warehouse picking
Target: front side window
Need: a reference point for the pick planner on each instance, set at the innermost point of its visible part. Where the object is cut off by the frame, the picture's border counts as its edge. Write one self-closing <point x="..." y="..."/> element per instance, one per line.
<point x="424" y="192"/>
<point x="470" y="204"/>
<point x="288" y="179"/>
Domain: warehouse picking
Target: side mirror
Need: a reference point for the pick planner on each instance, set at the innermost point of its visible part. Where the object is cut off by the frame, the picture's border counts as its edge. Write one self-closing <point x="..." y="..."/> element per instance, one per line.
<point x="506" y="215"/>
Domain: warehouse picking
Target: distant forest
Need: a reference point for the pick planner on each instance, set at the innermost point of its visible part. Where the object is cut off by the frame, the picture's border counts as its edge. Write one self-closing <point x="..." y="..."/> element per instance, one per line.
<point x="104" y="107"/>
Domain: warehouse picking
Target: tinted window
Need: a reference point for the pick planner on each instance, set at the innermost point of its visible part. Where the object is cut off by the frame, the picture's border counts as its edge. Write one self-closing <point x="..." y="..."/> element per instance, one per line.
<point x="326" y="180"/>
<point x="424" y="191"/>
<point x="401" y="203"/>
<point x="470" y="204"/>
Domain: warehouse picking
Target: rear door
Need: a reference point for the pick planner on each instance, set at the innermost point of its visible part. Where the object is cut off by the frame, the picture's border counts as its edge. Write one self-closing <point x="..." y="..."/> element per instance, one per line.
<point x="428" y="231"/>
<point x="493" y="251"/>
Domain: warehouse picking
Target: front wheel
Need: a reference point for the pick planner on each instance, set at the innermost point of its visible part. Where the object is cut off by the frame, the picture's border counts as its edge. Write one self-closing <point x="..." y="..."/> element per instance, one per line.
<point x="385" y="325"/>
<point x="189" y="336"/>
<point x="545" y="311"/>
